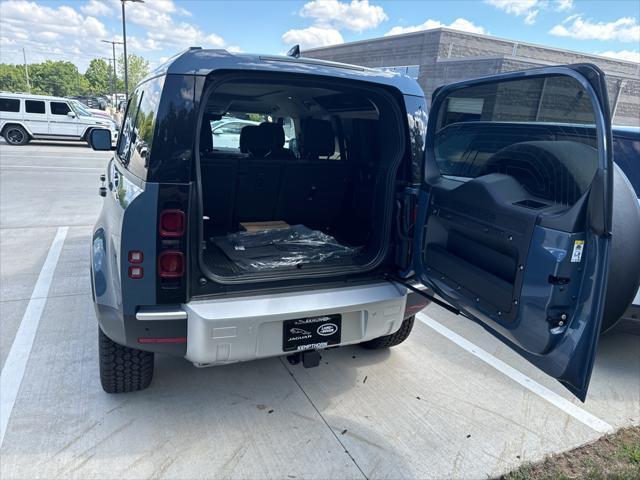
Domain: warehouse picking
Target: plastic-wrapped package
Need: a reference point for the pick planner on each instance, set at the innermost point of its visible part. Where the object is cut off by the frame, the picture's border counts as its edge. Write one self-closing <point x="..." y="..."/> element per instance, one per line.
<point x="283" y="247"/>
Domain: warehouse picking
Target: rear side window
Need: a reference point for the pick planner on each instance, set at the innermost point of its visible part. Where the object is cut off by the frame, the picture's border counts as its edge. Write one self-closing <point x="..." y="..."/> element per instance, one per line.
<point x="34" y="106"/>
<point x="60" y="108"/>
<point x="626" y="153"/>
<point x="126" y="139"/>
<point x="9" y="105"/>
<point x="134" y="145"/>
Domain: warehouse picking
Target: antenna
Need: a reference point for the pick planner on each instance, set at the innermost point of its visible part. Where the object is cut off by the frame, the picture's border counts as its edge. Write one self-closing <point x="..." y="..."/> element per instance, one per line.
<point x="294" y="51"/>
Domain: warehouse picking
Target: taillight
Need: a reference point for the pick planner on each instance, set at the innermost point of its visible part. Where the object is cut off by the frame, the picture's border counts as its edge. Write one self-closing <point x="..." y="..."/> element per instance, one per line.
<point x="172" y="223"/>
<point x="136" y="256"/>
<point x="136" y="272"/>
<point x="171" y="264"/>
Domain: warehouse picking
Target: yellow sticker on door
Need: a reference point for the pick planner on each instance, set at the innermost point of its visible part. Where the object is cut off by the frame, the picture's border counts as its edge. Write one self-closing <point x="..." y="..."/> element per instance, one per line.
<point x="578" y="246"/>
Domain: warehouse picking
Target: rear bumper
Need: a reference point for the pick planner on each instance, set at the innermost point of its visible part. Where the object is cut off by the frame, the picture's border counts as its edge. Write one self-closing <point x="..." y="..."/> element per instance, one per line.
<point x="246" y="328"/>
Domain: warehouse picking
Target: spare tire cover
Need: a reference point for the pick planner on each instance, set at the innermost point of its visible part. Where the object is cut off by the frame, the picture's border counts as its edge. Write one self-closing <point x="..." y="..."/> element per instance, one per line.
<point x="624" y="258"/>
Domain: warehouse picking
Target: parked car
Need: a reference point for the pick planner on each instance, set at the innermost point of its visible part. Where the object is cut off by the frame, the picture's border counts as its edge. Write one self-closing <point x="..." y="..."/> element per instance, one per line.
<point x="96" y="102"/>
<point x="98" y="113"/>
<point x="262" y="250"/>
<point x="226" y="132"/>
<point x="24" y="117"/>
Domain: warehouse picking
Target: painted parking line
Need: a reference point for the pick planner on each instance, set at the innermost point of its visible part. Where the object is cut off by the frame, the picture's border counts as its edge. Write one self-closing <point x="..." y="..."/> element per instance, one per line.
<point x="16" y="362"/>
<point x="562" y="403"/>
<point x="48" y="167"/>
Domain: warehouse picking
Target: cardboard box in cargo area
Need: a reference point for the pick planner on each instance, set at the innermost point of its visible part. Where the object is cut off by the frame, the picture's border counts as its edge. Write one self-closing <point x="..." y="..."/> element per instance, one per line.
<point x="260" y="226"/>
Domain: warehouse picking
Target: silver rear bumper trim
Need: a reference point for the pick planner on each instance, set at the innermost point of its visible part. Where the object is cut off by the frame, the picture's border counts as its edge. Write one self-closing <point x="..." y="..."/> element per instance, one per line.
<point x="156" y="314"/>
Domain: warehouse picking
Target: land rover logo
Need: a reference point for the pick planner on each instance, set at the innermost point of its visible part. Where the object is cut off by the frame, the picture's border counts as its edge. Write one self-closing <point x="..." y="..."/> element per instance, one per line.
<point x="327" y="329"/>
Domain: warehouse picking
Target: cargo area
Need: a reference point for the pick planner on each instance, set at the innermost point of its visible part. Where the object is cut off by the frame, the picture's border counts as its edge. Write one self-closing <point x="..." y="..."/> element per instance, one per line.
<point x="297" y="177"/>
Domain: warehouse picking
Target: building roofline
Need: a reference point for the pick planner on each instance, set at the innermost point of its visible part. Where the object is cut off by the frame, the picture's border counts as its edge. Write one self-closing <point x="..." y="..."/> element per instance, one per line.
<point x="536" y="61"/>
<point x="480" y="35"/>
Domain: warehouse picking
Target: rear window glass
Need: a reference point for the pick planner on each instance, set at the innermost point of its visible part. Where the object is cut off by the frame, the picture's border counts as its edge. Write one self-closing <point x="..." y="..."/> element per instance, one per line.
<point x="34" y="106"/>
<point x="541" y="131"/>
<point x="626" y="153"/>
<point x="9" y="105"/>
<point x="227" y="131"/>
<point x="60" y="108"/>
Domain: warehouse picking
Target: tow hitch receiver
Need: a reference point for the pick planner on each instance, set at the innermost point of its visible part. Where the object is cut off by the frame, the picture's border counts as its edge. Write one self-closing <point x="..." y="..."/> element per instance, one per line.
<point x="310" y="358"/>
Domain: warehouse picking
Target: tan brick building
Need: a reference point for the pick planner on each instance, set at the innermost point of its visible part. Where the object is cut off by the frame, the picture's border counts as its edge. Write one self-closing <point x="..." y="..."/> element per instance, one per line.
<point x="442" y="55"/>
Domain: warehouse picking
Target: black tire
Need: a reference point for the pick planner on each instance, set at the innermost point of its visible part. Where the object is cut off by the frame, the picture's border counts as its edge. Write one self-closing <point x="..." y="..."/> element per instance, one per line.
<point x="15" y="135"/>
<point x="391" y="340"/>
<point x="123" y="369"/>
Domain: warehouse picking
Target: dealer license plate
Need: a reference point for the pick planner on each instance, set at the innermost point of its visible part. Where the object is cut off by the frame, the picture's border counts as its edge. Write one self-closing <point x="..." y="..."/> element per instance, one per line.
<point x="311" y="333"/>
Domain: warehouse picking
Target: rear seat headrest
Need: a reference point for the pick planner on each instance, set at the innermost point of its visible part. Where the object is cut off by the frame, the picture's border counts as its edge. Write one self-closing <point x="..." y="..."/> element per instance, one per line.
<point x="254" y="140"/>
<point x="318" y="138"/>
<point x="274" y="133"/>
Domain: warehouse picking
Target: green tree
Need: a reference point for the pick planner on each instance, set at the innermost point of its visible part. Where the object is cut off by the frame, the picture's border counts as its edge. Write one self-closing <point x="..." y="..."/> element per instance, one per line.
<point x="98" y="76"/>
<point x="138" y="68"/>
<point x="12" y="78"/>
<point x="57" y="78"/>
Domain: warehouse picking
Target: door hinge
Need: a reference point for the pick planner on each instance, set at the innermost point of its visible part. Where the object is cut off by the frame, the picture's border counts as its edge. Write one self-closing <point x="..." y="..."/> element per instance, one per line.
<point x="428" y="296"/>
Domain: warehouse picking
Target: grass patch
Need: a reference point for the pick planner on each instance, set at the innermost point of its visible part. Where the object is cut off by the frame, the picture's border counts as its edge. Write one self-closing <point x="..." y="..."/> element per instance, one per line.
<point x="612" y="457"/>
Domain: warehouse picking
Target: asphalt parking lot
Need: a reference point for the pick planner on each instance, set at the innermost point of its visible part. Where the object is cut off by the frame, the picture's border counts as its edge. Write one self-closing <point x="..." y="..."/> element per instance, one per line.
<point x="449" y="402"/>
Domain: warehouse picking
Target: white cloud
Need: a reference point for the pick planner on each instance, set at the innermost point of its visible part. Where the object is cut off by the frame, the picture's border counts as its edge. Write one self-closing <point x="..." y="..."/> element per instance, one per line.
<point x="358" y="15"/>
<point x="625" y="29"/>
<point x="515" y="7"/>
<point x="458" y="24"/>
<point x="60" y="32"/>
<point x="74" y="34"/>
<point x="183" y="35"/>
<point x="564" y="5"/>
<point x="312" y="37"/>
<point x="528" y="9"/>
<point x="629" y="55"/>
<point x="97" y="9"/>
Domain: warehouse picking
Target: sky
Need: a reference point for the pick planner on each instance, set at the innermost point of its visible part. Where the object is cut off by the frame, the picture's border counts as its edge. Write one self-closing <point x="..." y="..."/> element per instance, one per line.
<point x="73" y="29"/>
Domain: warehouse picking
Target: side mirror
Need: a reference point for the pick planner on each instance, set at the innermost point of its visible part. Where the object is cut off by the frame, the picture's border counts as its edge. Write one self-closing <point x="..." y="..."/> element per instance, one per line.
<point x="100" y="139"/>
<point x="71" y="114"/>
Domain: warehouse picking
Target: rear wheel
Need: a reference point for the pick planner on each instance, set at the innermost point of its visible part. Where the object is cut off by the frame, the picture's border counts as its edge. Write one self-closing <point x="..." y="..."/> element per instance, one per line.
<point x="123" y="369"/>
<point x="16" y="135"/>
<point x="391" y="340"/>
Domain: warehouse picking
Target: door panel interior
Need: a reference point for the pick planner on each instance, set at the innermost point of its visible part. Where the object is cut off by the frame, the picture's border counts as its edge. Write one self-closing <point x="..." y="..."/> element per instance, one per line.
<point x="513" y="204"/>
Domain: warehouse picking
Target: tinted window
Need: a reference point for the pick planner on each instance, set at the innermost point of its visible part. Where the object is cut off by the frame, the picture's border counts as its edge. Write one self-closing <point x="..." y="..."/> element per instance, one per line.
<point x="127" y="134"/>
<point x="145" y="121"/>
<point x="537" y="130"/>
<point x="60" y="108"/>
<point x="34" y="106"/>
<point x="626" y="153"/>
<point x="9" y="105"/>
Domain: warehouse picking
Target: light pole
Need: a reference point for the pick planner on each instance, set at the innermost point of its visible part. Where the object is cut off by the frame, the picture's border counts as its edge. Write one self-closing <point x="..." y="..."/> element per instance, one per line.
<point x="114" y="77"/>
<point x="124" y="38"/>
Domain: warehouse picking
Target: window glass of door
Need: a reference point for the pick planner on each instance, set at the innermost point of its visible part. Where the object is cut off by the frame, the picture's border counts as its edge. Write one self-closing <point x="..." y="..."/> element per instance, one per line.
<point x="60" y="108"/>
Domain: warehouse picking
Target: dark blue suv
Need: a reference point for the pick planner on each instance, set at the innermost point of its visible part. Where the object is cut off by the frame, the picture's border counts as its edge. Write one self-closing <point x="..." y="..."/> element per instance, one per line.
<point x="258" y="206"/>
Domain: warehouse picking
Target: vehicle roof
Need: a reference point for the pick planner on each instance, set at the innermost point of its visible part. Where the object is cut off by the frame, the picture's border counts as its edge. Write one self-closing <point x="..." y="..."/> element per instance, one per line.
<point x="196" y="61"/>
<point x="30" y="95"/>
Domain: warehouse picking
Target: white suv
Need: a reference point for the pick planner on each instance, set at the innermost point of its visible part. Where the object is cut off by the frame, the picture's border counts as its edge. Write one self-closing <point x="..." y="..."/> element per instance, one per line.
<point x="24" y="117"/>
